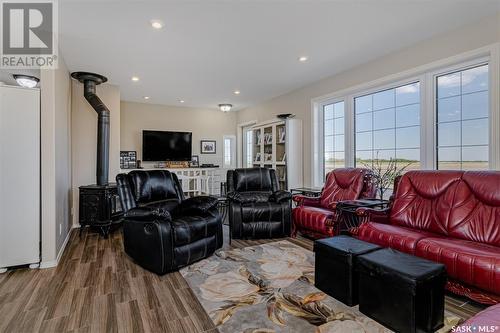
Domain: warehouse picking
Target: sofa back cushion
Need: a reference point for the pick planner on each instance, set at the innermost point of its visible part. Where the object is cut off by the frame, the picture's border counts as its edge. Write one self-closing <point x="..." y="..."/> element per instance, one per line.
<point x="476" y="212"/>
<point x="253" y="180"/>
<point x="424" y="200"/>
<point x="154" y="185"/>
<point x="343" y="184"/>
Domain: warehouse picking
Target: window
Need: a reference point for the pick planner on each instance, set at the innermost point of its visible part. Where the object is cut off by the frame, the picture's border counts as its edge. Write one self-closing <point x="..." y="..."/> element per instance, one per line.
<point x="444" y="115"/>
<point x="387" y="126"/>
<point x="247" y="148"/>
<point x="229" y="151"/>
<point x="334" y="125"/>
<point x="462" y="124"/>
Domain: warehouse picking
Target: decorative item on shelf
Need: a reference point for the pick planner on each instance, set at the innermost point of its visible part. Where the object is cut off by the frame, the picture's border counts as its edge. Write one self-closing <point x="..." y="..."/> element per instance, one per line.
<point x="138" y="164"/>
<point x="285" y="115"/>
<point x="195" y="161"/>
<point x="177" y="164"/>
<point x="258" y="138"/>
<point x="284" y="158"/>
<point x="128" y="159"/>
<point x="281" y="134"/>
<point x="208" y="146"/>
<point x="385" y="172"/>
<point x="268" y="157"/>
<point x="257" y="157"/>
<point x="268" y="138"/>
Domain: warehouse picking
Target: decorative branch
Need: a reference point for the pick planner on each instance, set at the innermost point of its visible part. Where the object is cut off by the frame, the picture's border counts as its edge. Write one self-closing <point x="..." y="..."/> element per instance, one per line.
<point x="383" y="177"/>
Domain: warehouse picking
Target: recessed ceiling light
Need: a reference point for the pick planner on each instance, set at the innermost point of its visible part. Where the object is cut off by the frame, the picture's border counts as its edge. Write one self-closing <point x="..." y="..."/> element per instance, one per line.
<point x="156" y="24"/>
<point x="181" y="101"/>
<point x="236" y="92"/>
<point x="146" y="97"/>
<point x="303" y="59"/>
<point x="135" y="78"/>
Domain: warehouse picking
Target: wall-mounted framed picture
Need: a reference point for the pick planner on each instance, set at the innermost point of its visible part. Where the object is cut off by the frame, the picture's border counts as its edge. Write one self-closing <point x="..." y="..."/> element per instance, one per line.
<point x="208" y="146"/>
<point x="128" y="159"/>
<point x="195" y="161"/>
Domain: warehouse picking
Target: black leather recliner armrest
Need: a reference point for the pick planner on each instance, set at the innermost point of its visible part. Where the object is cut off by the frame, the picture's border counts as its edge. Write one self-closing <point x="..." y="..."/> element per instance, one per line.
<point x="147" y="214"/>
<point x="197" y="205"/>
<point x="280" y="196"/>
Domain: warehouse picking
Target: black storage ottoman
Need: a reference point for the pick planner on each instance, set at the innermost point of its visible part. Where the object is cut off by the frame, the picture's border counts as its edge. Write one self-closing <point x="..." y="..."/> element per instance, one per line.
<point x="334" y="271"/>
<point x="401" y="291"/>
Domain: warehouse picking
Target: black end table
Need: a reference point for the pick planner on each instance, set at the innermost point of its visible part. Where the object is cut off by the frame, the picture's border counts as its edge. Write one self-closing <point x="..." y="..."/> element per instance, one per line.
<point x="307" y="191"/>
<point x="347" y="218"/>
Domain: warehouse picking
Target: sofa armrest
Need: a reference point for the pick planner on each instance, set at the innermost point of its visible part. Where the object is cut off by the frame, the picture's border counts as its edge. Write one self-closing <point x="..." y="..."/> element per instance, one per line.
<point x="146" y="214"/>
<point x="197" y="205"/>
<point x="373" y="215"/>
<point x="303" y="200"/>
<point x="281" y="196"/>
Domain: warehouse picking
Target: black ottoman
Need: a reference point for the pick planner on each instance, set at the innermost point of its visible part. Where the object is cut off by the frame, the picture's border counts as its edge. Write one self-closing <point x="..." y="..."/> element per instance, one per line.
<point x="334" y="266"/>
<point x="401" y="291"/>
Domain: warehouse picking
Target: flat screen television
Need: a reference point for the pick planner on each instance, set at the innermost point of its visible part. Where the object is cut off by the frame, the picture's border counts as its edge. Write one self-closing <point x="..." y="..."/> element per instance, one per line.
<point x="166" y="146"/>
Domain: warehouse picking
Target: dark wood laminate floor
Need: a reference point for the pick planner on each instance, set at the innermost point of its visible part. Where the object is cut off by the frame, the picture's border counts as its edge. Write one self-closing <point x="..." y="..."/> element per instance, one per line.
<point x="97" y="288"/>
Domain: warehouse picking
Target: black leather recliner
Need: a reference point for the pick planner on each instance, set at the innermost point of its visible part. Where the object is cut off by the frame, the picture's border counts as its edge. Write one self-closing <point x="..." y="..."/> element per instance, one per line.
<point x="163" y="231"/>
<point x="257" y="208"/>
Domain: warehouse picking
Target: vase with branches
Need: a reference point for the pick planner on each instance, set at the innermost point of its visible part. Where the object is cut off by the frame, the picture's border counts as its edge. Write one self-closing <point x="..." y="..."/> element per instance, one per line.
<point x="385" y="172"/>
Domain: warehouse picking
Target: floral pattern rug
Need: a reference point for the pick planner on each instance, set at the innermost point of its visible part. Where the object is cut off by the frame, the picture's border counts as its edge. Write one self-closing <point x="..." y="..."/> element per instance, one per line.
<point x="270" y="288"/>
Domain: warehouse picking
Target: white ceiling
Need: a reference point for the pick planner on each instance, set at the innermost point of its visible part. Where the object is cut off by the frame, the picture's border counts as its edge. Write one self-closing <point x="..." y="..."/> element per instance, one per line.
<point x="207" y="49"/>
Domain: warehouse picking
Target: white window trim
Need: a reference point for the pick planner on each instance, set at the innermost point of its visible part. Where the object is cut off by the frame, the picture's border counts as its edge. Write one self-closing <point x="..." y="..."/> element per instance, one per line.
<point x="232" y="153"/>
<point x="425" y="75"/>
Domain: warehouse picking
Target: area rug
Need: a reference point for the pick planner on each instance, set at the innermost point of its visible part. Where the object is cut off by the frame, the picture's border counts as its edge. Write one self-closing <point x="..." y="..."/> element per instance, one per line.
<point x="270" y="288"/>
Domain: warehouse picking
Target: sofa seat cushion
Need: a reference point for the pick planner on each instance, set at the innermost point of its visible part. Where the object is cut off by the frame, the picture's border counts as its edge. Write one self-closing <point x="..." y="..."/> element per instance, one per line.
<point x="189" y="229"/>
<point x="261" y="212"/>
<point x="470" y="262"/>
<point x="396" y="237"/>
<point x="312" y="218"/>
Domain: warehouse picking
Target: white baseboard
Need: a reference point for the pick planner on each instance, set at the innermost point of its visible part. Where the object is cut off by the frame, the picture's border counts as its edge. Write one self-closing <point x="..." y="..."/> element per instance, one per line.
<point x="54" y="263"/>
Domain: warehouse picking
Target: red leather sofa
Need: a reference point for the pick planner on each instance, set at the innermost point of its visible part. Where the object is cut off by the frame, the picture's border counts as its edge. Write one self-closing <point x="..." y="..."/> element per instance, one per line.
<point x="451" y="217"/>
<point x="487" y="320"/>
<point x="316" y="217"/>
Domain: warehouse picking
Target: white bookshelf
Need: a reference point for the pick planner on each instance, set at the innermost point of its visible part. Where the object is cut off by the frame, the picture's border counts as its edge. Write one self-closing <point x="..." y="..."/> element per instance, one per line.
<point x="278" y="145"/>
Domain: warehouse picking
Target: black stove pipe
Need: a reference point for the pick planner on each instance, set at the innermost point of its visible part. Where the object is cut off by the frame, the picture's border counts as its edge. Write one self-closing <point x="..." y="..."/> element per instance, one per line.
<point x="90" y="81"/>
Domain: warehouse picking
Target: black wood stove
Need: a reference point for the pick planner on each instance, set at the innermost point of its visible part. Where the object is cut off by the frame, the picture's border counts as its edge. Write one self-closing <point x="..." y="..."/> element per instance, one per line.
<point x="99" y="204"/>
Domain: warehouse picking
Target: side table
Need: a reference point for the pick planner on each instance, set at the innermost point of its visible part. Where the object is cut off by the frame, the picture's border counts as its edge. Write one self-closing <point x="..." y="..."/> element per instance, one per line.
<point x="347" y="218"/>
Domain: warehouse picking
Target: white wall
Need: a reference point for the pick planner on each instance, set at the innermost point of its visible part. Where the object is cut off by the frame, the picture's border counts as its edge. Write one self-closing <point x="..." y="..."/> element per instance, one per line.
<point x="84" y="138"/>
<point x="298" y="102"/>
<point x="55" y="159"/>
<point x="203" y="123"/>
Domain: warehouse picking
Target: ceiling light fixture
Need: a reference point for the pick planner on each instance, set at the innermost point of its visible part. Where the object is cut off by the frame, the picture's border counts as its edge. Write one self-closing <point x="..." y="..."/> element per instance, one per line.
<point x="303" y="59"/>
<point x="26" y="81"/>
<point x="181" y="101"/>
<point x="146" y="97"/>
<point x="156" y="24"/>
<point x="236" y="92"/>
<point x="225" y="107"/>
<point x="135" y="78"/>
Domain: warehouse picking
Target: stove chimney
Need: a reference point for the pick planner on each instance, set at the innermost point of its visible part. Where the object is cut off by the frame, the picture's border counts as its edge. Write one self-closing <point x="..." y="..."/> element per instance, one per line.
<point x="90" y="81"/>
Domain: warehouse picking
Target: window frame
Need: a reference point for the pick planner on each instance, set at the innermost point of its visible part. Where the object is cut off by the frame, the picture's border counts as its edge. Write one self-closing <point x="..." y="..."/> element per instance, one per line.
<point x="426" y="75"/>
